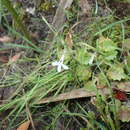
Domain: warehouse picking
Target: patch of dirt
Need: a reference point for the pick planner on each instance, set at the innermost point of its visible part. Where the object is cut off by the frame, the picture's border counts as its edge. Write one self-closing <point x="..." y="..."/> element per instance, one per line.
<point x="122" y="9"/>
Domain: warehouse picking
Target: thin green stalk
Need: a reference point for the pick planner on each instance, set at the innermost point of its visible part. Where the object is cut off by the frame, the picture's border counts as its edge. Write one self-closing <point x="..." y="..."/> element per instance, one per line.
<point x="21" y="26"/>
<point x="111" y="25"/>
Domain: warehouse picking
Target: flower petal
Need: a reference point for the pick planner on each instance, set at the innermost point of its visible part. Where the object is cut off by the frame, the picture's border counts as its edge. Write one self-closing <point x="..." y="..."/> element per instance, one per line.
<point x="59" y="68"/>
<point x="65" y="67"/>
<point x="55" y="63"/>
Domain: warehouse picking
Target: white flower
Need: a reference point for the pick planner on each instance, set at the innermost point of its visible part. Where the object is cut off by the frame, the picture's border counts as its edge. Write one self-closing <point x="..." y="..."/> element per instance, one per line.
<point x="31" y="10"/>
<point x="60" y="64"/>
<point x="92" y="59"/>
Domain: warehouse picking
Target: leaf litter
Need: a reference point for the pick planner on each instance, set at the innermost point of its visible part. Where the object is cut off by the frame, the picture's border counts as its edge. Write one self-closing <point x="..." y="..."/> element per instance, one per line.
<point x="24" y="126"/>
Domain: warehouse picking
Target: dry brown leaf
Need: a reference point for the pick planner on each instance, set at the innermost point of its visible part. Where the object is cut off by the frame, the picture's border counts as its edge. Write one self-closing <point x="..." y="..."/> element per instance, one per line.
<point x="4" y="56"/>
<point x="35" y="35"/>
<point x="80" y="93"/>
<point x="124" y="114"/>
<point x="77" y="93"/>
<point x="124" y="86"/>
<point x="4" y="59"/>
<point x="16" y="57"/>
<point x="24" y="126"/>
<point x="6" y="39"/>
<point x="69" y="40"/>
<point x="4" y="52"/>
<point x="86" y="8"/>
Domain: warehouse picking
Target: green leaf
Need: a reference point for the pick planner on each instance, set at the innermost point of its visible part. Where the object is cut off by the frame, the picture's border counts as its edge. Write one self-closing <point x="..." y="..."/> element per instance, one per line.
<point x="106" y="45"/>
<point x="83" y="57"/>
<point x="83" y="72"/>
<point x="116" y="72"/>
<point x="90" y="86"/>
<point x="101" y="80"/>
<point x="111" y="55"/>
<point x="70" y="76"/>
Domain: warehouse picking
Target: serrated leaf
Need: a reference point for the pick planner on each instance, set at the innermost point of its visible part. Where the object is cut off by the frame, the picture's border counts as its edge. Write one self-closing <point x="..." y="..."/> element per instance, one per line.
<point x="110" y="55"/>
<point x="83" y="57"/>
<point x="106" y="45"/>
<point x="116" y="72"/>
<point x="83" y="72"/>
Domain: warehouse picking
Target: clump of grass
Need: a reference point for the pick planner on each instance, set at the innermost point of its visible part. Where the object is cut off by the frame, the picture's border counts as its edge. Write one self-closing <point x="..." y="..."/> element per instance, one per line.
<point x="7" y="4"/>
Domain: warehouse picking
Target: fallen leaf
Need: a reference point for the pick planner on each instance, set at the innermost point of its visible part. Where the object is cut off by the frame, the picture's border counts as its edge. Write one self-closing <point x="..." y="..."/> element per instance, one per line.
<point x="4" y="56"/>
<point x="34" y="35"/>
<point x="4" y="52"/>
<point x="24" y="126"/>
<point x="69" y="40"/>
<point x="124" y="114"/>
<point x="4" y="59"/>
<point x="6" y="39"/>
<point x="124" y="86"/>
<point x="16" y="57"/>
<point x="1" y="30"/>
<point x="86" y="8"/>
<point x="77" y="93"/>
